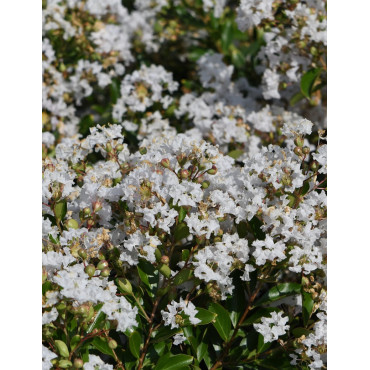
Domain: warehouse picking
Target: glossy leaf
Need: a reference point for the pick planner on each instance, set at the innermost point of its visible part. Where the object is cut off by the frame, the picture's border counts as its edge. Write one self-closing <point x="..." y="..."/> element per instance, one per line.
<point x="222" y="322"/>
<point x="205" y="316"/>
<point x="176" y="362"/>
<point x="181" y="231"/>
<point x="182" y="213"/>
<point x="134" y="344"/>
<point x="308" y="80"/>
<point x="279" y="291"/>
<point x="307" y="306"/>
<point x="182" y="276"/>
<point x="102" y="346"/>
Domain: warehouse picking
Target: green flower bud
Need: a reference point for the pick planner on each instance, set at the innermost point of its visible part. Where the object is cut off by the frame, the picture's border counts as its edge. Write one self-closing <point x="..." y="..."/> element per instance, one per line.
<point x="71" y="224"/>
<point x="165" y="162"/>
<point x="184" y="174"/>
<point x="108" y="147"/>
<point x="157" y="254"/>
<point x="90" y="223"/>
<point x="90" y="270"/>
<point x="119" y="147"/>
<point x="112" y="344"/>
<point x="143" y="150"/>
<point x="165" y="271"/>
<point x="299" y="141"/>
<point x="65" y="364"/>
<point x="314" y="166"/>
<point x="165" y="260"/>
<point x="102" y="265"/>
<point x="62" y="348"/>
<point x="181" y="159"/>
<point x="105" y="273"/>
<point x="213" y="170"/>
<point x="78" y="363"/>
<point x="298" y="151"/>
<point x="306" y="150"/>
<point x="87" y="211"/>
<point x="205" y="184"/>
<point x="97" y="206"/>
<point x="125" y="285"/>
<point x="82" y="253"/>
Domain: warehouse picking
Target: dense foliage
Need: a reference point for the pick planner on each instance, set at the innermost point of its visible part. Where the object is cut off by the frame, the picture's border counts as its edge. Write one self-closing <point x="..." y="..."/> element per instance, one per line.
<point x="184" y="184"/>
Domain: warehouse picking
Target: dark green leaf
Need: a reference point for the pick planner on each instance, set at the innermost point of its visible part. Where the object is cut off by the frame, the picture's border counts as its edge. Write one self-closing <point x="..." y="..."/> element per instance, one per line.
<point x="164" y="333"/>
<point x="305" y="188"/>
<point x="222" y="322"/>
<point x="307" y="306"/>
<point x="102" y="345"/>
<point x="258" y="314"/>
<point x="185" y="254"/>
<point x="298" y="332"/>
<point x="182" y="276"/>
<point x="182" y="213"/>
<point x="176" y="362"/>
<point x="226" y="36"/>
<point x="46" y="286"/>
<point x="235" y="153"/>
<point x="308" y="80"/>
<point x="262" y="346"/>
<point x="134" y="344"/>
<point x="205" y="316"/>
<point x="279" y="291"/>
<point x="296" y="98"/>
<point x="100" y="316"/>
<point x="256" y="224"/>
<point x="181" y="231"/>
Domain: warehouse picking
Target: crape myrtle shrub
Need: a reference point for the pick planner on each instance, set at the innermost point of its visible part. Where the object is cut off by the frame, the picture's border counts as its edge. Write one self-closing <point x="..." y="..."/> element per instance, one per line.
<point x="184" y="184"/>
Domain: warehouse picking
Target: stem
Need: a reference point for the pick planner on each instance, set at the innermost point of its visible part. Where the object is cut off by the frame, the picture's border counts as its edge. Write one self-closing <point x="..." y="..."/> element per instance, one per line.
<point x="141" y="307"/>
<point x="146" y="345"/>
<point x="229" y="343"/>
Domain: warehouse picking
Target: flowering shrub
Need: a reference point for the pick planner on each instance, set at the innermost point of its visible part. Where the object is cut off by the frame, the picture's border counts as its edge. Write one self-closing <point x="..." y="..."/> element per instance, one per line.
<point x="184" y="184"/>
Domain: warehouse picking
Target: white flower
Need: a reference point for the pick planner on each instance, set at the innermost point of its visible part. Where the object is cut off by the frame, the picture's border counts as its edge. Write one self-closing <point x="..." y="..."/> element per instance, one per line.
<point x="176" y="308"/>
<point x="272" y="327"/>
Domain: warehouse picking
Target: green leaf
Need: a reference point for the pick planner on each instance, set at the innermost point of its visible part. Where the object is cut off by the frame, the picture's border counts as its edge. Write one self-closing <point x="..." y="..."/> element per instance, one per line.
<point x="100" y="316"/>
<point x="134" y="344"/>
<point x="62" y="348"/>
<point x="222" y="322"/>
<point x="148" y="275"/>
<point x="258" y="314"/>
<point x="256" y="224"/>
<point x="46" y="286"/>
<point x="185" y="254"/>
<point x="235" y="153"/>
<point x="262" y="346"/>
<point x="181" y="231"/>
<point x="296" y="98"/>
<point x="74" y="341"/>
<point x="205" y="316"/>
<point x="305" y="188"/>
<point x="201" y="350"/>
<point x="164" y="333"/>
<point x="176" y="362"/>
<point x="237" y="302"/>
<point x="227" y="36"/>
<point x="182" y="213"/>
<point x="308" y="80"/>
<point x="60" y="209"/>
<point x="182" y="276"/>
<point x="307" y="306"/>
<point x="279" y="291"/>
<point x="298" y="332"/>
<point x="102" y="345"/>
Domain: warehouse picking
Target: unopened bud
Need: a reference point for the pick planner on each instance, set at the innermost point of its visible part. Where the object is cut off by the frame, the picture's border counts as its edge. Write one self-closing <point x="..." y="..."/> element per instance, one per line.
<point x="298" y="151"/>
<point x="165" y="162"/>
<point x="102" y="265"/>
<point x="181" y="159"/>
<point x="205" y="184"/>
<point x="119" y="147"/>
<point x="90" y="270"/>
<point x="184" y="174"/>
<point x="143" y="150"/>
<point x="78" y="363"/>
<point x="108" y="147"/>
<point x="90" y="223"/>
<point x="105" y="273"/>
<point x="62" y="348"/>
<point x="299" y="141"/>
<point x="82" y="253"/>
<point x="112" y="344"/>
<point x="125" y="285"/>
<point x="165" y="271"/>
<point x="165" y="260"/>
<point x="125" y="166"/>
<point x="306" y="150"/>
<point x="71" y="224"/>
<point x="97" y="206"/>
<point x="87" y="211"/>
<point x="64" y="364"/>
<point x="314" y="166"/>
<point x="212" y="171"/>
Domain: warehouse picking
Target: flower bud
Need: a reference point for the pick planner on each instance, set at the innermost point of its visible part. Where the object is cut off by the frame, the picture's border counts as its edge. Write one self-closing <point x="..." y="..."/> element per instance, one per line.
<point x="87" y="211"/>
<point x="143" y="150"/>
<point x="306" y="150"/>
<point x="78" y="363"/>
<point x="298" y="141"/>
<point x="314" y="166"/>
<point x="125" y="285"/>
<point x="181" y="159"/>
<point x="165" y="162"/>
<point x="213" y="170"/>
<point x="62" y="348"/>
<point x="184" y="174"/>
<point x="298" y="151"/>
<point x="90" y="223"/>
<point x="125" y="166"/>
<point x="165" y="260"/>
<point x="105" y="273"/>
<point x="102" y="265"/>
<point x="97" y="206"/>
<point x="64" y="364"/>
<point x="71" y="224"/>
<point x="205" y="184"/>
<point x="112" y="344"/>
<point x="82" y="253"/>
<point x="90" y="270"/>
<point x="119" y="147"/>
<point x="108" y="147"/>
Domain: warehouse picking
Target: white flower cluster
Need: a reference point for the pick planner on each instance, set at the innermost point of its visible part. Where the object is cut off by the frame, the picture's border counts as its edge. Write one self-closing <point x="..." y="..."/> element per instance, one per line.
<point x="272" y="327"/>
<point x="173" y="314"/>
